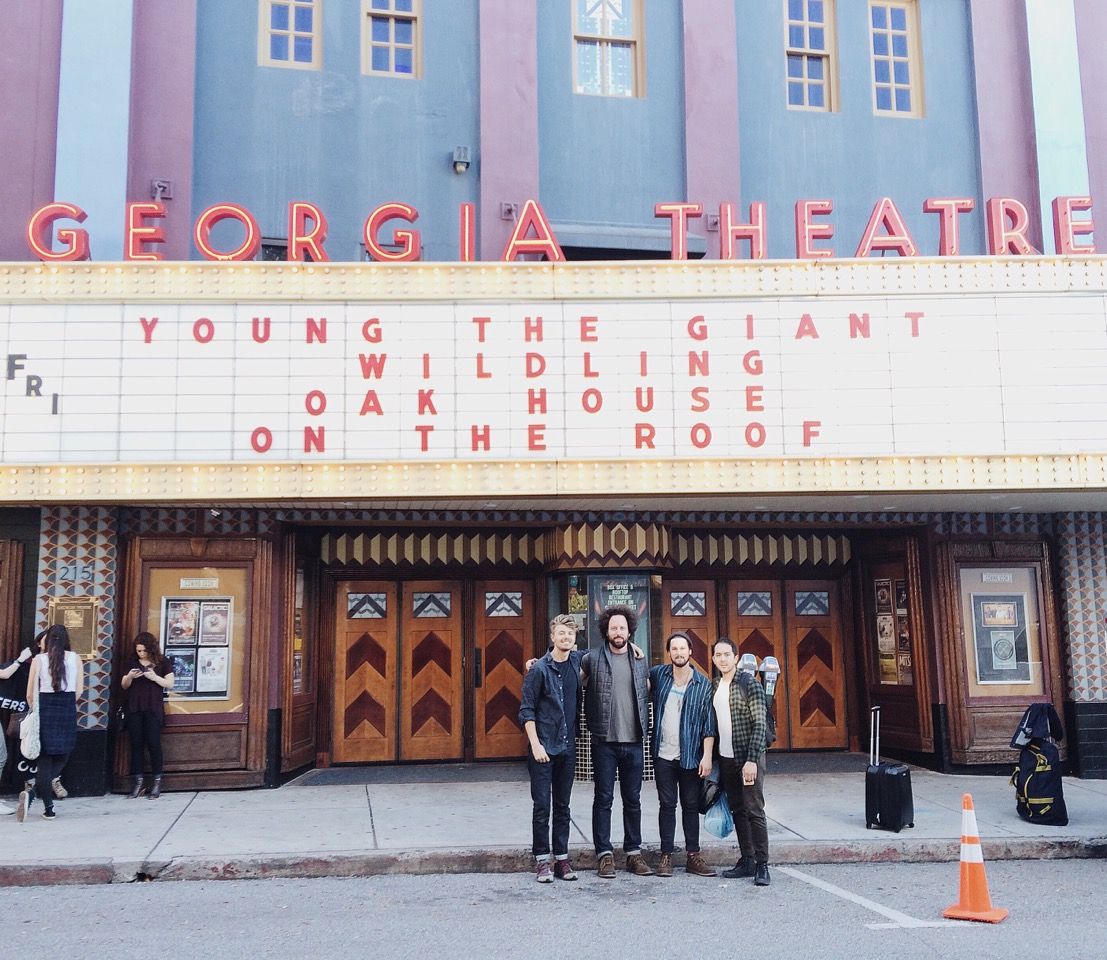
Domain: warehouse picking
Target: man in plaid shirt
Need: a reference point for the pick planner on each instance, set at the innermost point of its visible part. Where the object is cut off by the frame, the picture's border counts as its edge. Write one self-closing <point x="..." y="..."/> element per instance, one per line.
<point x="741" y="711"/>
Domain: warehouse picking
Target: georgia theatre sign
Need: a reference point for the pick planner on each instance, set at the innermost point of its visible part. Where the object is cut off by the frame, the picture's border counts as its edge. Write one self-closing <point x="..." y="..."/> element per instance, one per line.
<point x="51" y="235"/>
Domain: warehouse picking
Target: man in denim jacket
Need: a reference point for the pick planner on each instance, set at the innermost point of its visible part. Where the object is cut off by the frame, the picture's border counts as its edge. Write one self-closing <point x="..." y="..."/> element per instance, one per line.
<point x="548" y="713"/>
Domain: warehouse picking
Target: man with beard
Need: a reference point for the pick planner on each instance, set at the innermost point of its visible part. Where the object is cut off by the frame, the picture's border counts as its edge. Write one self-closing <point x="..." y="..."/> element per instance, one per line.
<point x="683" y="740"/>
<point x="618" y="717"/>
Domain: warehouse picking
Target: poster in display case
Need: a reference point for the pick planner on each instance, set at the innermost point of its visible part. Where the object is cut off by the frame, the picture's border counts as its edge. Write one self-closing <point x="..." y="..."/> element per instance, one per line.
<point x="999" y="638"/>
<point x="197" y="634"/>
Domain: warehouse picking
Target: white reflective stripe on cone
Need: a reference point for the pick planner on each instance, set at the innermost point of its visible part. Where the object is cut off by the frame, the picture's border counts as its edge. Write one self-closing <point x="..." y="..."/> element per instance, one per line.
<point x="968" y="823"/>
<point x="971" y="853"/>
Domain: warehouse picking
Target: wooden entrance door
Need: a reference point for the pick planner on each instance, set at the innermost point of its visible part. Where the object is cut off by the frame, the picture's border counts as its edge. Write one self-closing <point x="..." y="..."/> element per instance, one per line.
<point x="815" y="666"/>
<point x="431" y="714"/>
<point x="688" y="606"/>
<point x="364" y="723"/>
<point x="755" y="621"/>
<point x="504" y="638"/>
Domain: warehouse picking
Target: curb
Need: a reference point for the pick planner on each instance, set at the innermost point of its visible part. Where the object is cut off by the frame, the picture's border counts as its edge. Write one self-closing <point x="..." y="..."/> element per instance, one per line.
<point x="513" y="860"/>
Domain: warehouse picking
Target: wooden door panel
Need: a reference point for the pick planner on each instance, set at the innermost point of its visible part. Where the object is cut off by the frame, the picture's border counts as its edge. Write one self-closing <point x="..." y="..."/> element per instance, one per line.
<point x="815" y="665"/>
<point x="364" y="726"/>
<point x="755" y="621"/>
<point x="431" y="696"/>
<point x="688" y="606"/>
<point x="504" y="639"/>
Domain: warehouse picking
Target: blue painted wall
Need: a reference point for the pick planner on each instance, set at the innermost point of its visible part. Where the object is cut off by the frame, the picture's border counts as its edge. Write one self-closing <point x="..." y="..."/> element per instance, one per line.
<point x="610" y="159"/>
<point x="347" y="142"/>
<point x="851" y="156"/>
<point x="94" y="95"/>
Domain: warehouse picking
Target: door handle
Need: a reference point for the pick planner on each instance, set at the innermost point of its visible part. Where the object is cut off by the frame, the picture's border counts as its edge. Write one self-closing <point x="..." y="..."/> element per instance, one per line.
<point x="478" y="673"/>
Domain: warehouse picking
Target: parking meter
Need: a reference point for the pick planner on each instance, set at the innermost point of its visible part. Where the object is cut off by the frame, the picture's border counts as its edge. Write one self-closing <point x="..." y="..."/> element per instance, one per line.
<point x="770" y="672"/>
<point x="747" y="663"/>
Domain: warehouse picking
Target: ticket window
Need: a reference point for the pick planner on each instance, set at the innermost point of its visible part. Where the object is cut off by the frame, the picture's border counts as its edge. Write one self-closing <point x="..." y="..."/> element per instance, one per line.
<point x="585" y="595"/>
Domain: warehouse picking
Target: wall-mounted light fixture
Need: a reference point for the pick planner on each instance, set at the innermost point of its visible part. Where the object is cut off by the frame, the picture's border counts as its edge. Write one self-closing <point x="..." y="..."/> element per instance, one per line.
<point x="461" y="159"/>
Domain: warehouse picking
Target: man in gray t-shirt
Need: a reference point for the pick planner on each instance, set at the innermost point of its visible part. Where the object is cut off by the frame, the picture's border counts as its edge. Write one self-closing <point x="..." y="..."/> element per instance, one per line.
<point x="615" y="702"/>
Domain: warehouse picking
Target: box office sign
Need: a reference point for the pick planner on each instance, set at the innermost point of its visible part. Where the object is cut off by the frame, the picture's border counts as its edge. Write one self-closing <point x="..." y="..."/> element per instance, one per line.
<point x="649" y="379"/>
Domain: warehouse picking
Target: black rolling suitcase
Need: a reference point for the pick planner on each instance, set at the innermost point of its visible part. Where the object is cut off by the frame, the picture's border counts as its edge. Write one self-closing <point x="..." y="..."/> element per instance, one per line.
<point x="888" y="802"/>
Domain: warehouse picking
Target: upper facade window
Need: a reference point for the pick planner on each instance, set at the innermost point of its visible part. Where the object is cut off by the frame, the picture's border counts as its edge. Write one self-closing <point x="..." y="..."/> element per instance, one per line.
<point x="895" y="56"/>
<point x="290" y="33"/>
<point x="810" y="26"/>
<point x="390" y="38"/>
<point x="607" y="47"/>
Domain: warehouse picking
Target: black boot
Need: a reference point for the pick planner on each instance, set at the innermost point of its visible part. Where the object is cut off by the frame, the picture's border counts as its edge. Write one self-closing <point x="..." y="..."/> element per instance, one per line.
<point x="155" y="789"/>
<point x="136" y="790"/>
<point x="761" y="875"/>
<point x="743" y="868"/>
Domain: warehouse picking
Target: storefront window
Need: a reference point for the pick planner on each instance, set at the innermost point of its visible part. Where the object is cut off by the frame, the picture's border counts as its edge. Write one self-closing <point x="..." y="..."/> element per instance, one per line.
<point x="1001" y="629"/>
<point x="198" y="615"/>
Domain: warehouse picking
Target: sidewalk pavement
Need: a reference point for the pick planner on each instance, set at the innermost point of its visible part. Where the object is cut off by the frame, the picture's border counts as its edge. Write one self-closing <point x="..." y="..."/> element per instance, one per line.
<point x="462" y="827"/>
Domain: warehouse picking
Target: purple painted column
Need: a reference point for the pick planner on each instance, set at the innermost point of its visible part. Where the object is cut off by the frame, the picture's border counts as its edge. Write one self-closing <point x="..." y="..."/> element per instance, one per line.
<point x="1005" y="106"/>
<point x="163" y="81"/>
<point x="508" y="158"/>
<point x="1091" y="34"/>
<point x="29" y="105"/>
<point x="712" y="160"/>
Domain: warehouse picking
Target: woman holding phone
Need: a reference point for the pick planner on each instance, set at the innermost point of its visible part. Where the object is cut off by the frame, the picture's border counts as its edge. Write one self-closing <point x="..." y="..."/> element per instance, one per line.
<point x="147" y="679"/>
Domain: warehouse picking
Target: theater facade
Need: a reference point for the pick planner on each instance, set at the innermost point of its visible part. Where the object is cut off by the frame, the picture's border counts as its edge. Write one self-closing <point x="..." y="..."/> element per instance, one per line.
<point x="347" y="498"/>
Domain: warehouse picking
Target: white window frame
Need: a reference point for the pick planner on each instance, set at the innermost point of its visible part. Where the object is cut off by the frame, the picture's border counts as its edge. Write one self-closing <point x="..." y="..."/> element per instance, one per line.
<point x="914" y="59"/>
<point x="266" y="31"/>
<point x="828" y="56"/>
<point x="637" y="43"/>
<point x="414" y="16"/>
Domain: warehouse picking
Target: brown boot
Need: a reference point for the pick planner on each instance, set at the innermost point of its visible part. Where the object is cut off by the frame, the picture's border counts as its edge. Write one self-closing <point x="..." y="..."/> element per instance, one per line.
<point x="155" y="789"/>
<point x="606" y="867"/>
<point x="637" y="865"/>
<point x="696" y="865"/>
<point x="136" y="790"/>
<point x="665" y="865"/>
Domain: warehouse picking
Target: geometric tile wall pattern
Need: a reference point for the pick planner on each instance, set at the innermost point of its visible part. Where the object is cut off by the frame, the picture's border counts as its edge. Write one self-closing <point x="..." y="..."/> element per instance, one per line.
<point x="79" y="556"/>
<point x="1082" y="570"/>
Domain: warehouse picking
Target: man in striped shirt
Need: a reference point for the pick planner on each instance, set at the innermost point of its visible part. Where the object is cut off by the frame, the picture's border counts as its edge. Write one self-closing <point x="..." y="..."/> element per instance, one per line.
<point x="683" y="739"/>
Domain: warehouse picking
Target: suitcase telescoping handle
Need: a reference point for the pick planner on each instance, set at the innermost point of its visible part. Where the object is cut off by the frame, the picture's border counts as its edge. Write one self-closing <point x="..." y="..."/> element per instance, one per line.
<point x="874" y="736"/>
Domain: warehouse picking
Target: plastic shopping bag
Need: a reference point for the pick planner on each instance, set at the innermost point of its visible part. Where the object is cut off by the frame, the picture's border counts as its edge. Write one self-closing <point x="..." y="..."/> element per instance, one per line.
<point x="718" y="821"/>
<point x="29" y="744"/>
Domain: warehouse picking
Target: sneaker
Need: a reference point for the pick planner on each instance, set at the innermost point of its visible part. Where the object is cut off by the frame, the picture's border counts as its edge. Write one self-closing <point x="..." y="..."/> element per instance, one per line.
<point x="699" y="867"/>
<point x="49" y="814"/>
<point x="665" y="865"/>
<point x="563" y="870"/>
<point x="60" y="792"/>
<point x="761" y="875"/>
<point x="25" y="801"/>
<point x="544" y="874"/>
<point x="743" y="868"/>
<point x="637" y="865"/>
<point x="606" y="867"/>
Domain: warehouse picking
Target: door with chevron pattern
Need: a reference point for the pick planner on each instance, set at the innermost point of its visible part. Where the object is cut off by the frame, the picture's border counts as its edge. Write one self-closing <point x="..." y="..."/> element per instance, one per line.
<point x="431" y="704"/>
<point x="364" y="722"/>
<point x="755" y="621"/>
<point x="504" y="639"/>
<point x="814" y="664"/>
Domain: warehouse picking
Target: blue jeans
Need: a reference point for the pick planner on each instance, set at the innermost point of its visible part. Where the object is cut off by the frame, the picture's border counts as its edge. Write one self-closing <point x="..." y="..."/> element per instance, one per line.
<point x="671" y="778"/>
<point x="627" y="759"/>
<point x="553" y="779"/>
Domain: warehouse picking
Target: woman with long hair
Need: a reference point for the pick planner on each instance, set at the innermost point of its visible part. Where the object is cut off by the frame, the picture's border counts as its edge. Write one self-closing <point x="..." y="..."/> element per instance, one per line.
<point x="149" y="675"/>
<point x="56" y="683"/>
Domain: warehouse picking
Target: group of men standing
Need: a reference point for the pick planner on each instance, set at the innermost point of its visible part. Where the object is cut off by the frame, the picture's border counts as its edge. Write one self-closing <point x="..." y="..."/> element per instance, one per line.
<point x="695" y="718"/>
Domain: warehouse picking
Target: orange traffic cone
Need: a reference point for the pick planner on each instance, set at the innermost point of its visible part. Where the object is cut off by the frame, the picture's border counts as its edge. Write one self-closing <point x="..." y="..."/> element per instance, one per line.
<point x="974" y="902"/>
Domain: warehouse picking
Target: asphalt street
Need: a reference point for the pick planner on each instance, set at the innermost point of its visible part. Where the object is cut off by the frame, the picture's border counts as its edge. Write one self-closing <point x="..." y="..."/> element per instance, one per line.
<point x="814" y="911"/>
